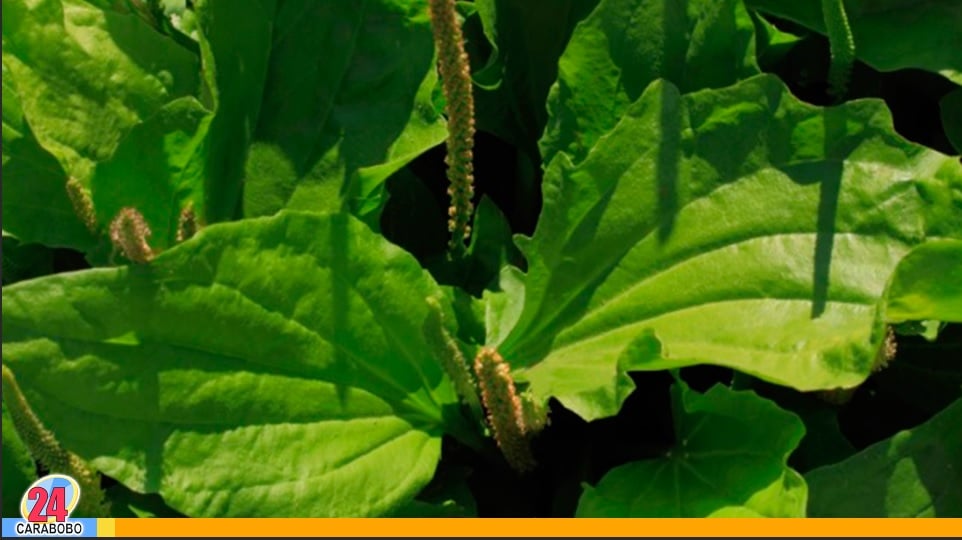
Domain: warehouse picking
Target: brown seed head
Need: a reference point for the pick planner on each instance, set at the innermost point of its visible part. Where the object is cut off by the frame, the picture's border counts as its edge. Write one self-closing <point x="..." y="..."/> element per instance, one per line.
<point x="505" y="410"/>
<point x="129" y="233"/>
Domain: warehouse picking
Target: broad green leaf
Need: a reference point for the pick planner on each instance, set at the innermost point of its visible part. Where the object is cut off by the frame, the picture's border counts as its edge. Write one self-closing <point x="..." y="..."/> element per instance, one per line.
<point x="771" y="43"/>
<point x="157" y="170"/>
<point x="928" y="284"/>
<point x="268" y="367"/>
<point x="916" y="473"/>
<point x="626" y="44"/>
<point x="36" y="207"/>
<point x="729" y="461"/>
<point x="19" y="470"/>
<point x="890" y="34"/>
<point x="527" y="39"/>
<point x="736" y="227"/>
<point x="503" y="309"/>
<point x="235" y="40"/>
<point x="824" y="442"/>
<point x="491" y="247"/>
<point x="87" y="75"/>
<point x="951" y="107"/>
<point x="347" y="102"/>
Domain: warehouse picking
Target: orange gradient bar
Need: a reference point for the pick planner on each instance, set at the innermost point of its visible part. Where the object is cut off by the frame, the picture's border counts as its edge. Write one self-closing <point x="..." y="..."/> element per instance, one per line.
<point x="476" y="527"/>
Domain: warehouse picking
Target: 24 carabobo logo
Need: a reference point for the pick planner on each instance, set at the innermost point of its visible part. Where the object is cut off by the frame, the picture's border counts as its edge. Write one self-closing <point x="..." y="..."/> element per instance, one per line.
<point x="50" y="499"/>
<point x="47" y="504"/>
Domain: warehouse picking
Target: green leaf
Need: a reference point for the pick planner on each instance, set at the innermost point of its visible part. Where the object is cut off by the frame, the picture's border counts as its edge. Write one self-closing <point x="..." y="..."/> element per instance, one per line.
<point x="155" y="170"/>
<point x="347" y="103"/>
<point x="824" y="441"/>
<point x="736" y="227"/>
<point x="503" y="308"/>
<point x="268" y="367"/>
<point x="36" y="207"/>
<point x="87" y="75"/>
<point x="626" y="44"/>
<point x="771" y="43"/>
<point x="491" y="247"/>
<point x="19" y="470"/>
<point x="235" y="40"/>
<point x="916" y="473"/>
<point x="951" y="108"/>
<point x="527" y="40"/>
<point x="890" y="34"/>
<point x="927" y="284"/>
<point x="729" y="461"/>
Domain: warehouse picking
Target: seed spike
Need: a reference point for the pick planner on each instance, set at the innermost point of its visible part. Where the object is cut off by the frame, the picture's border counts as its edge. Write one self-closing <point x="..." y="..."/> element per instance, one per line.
<point x="83" y="204"/>
<point x="452" y="359"/>
<point x="45" y="448"/>
<point x="129" y="233"/>
<point x="886" y="352"/>
<point x="505" y="409"/>
<point x="455" y="71"/>
<point x="187" y="225"/>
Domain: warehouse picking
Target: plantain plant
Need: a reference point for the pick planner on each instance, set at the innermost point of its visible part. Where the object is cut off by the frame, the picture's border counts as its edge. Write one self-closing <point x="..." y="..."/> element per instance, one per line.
<point x="436" y="258"/>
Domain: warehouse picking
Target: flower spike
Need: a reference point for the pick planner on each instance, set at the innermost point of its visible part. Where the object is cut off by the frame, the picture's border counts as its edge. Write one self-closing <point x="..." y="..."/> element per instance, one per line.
<point x="455" y="73"/>
<point x="44" y="448"/>
<point x="83" y="204"/>
<point x="129" y="233"/>
<point x="187" y="225"/>
<point x="506" y="413"/>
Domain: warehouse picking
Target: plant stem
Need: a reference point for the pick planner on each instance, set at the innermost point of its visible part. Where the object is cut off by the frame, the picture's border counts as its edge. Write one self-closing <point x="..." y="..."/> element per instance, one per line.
<point x="842" y="46"/>
<point x="455" y="74"/>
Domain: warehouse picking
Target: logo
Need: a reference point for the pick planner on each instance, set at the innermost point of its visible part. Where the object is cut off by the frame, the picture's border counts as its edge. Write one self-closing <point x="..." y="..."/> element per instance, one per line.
<point x="46" y="507"/>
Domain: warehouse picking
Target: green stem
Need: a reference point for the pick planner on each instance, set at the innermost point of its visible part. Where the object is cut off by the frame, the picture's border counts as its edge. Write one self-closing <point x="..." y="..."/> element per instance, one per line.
<point x="842" y="46"/>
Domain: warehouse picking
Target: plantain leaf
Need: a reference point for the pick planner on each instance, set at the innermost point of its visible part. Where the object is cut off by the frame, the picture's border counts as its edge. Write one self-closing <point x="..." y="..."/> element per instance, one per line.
<point x="928" y="284"/>
<point x="729" y="460"/>
<point x="890" y="34"/>
<point x="347" y="102"/>
<point x="86" y="75"/>
<point x="269" y="367"/>
<point x="613" y="56"/>
<point x="916" y="473"/>
<point x="736" y="227"/>
<point x="88" y="87"/>
<point x="235" y="40"/>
